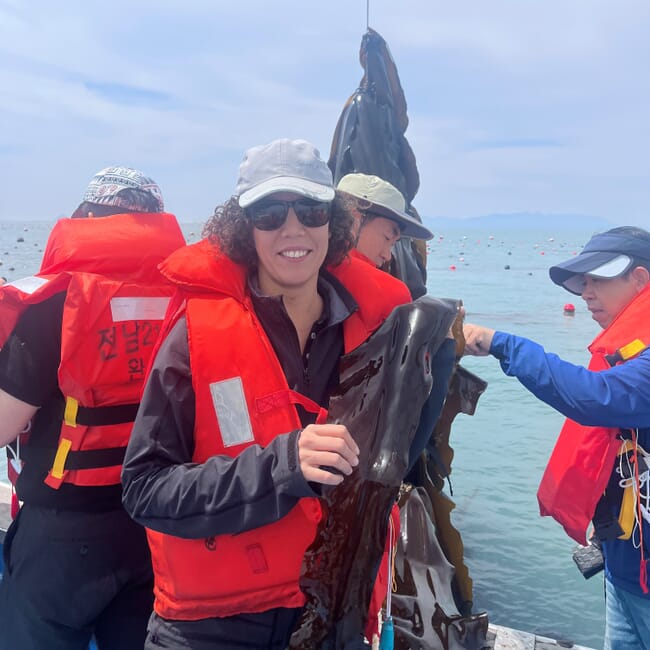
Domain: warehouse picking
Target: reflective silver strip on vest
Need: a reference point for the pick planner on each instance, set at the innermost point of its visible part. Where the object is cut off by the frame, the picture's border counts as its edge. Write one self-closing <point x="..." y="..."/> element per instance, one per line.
<point x="139" y="308"/>
<point x="28" y="285"/>
<point x="232" y="412"/>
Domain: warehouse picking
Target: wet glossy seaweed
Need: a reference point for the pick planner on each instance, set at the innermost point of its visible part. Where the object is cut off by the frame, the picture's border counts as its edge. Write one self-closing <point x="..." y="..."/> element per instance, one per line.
<point x="384" y="384"/>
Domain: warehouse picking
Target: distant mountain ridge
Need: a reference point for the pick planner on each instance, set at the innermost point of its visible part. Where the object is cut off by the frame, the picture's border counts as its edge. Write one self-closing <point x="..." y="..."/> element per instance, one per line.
<point x="521" y="221"/>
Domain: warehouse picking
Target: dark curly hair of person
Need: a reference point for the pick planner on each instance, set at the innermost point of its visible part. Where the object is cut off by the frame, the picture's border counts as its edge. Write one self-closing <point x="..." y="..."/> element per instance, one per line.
<point x="230" y="230"/>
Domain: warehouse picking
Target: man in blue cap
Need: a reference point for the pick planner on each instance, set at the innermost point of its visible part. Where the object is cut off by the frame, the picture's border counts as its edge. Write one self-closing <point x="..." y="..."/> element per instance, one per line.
<point x="599" y="469"/>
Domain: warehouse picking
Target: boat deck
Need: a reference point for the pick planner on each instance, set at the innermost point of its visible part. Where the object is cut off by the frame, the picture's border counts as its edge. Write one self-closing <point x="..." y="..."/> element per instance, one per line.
<point x="505" y="638"/>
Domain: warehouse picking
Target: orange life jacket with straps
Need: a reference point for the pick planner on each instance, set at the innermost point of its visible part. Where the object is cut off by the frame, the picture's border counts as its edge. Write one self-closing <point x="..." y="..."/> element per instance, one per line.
<point x="582" y="461"/>
<point x="242" y="398"/>
<point x="115" y="302"/>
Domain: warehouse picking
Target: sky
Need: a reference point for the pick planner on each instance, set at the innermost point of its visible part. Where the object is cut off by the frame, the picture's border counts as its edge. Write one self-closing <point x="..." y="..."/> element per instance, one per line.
<point x="514" y="105"/>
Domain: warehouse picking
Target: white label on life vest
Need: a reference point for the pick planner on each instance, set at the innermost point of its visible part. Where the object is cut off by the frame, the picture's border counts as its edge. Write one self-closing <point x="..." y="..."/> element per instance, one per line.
<point x="28" y="284"/>
<point x="140" y="308"/>
<point x="232" y="412"/>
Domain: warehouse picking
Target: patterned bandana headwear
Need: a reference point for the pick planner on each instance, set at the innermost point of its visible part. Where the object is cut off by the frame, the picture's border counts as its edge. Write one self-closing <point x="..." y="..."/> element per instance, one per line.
<point x="108" y="187"/>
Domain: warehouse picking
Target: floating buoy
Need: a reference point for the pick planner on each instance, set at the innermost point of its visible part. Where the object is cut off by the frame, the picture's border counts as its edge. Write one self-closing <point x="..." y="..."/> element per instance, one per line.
<point x="541" y="252"/>
<point x="452" y="267"/>
<point x="507" y="267"/>
<point x="569" y="309"/>
<point x="461" y="259"/>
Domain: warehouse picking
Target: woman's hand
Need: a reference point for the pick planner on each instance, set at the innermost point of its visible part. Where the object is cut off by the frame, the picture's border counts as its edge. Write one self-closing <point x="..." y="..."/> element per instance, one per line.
<point x="327" y="453"/>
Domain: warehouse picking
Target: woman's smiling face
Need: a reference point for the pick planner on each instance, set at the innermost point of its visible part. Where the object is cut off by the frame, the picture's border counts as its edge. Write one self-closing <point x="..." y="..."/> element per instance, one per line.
<point x="291" y="256"/>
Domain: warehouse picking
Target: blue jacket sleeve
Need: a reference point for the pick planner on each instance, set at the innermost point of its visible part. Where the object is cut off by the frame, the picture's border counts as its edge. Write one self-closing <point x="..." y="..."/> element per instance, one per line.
<point x="616" y="397"/>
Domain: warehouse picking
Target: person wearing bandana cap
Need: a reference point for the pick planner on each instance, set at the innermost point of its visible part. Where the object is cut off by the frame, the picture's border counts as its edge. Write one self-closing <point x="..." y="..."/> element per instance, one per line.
<point x="603" y="447"/>
<point x="74" y="341"/>
<point x="116" y="190"/>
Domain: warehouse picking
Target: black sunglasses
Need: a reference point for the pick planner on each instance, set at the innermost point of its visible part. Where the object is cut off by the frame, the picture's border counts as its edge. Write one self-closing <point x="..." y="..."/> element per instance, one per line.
<point x="271" y="215"/>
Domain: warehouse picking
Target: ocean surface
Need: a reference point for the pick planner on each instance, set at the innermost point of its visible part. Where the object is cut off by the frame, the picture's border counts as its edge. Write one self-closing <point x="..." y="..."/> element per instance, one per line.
<point x="520" y="563"/>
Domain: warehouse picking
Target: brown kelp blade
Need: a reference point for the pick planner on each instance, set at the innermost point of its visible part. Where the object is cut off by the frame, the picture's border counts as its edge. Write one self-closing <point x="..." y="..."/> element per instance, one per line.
<point x="383" y="386"/>
<point x="369" y="138"/>
<point x="424" y="610"/>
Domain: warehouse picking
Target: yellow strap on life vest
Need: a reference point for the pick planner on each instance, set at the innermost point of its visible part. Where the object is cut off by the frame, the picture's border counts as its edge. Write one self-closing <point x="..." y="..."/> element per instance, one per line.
<point x="626" y="445"/>
<point x="626" y="517"/>
<point x="71" y="410"/>
<point x="627" y="513"/>
<point x="58" y="467"/>
<point x="632" y="349"/>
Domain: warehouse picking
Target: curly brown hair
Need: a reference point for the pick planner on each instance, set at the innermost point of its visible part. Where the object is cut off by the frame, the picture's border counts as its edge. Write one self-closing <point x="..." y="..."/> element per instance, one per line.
<point x="231" y="231"/>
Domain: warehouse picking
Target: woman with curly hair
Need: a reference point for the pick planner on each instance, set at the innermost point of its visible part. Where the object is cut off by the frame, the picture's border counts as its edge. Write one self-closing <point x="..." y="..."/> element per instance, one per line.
<point x="229" y="449"/>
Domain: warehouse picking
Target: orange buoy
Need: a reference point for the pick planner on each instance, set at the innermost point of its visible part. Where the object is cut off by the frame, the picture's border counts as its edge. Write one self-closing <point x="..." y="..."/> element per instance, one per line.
<point x="569" y="309"/>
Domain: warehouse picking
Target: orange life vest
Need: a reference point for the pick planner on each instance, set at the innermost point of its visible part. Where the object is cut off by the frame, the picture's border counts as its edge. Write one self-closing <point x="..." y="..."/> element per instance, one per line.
<point x="115" y="302"/>
<point x="583" y="458"/>
<point x="242" y="398"/>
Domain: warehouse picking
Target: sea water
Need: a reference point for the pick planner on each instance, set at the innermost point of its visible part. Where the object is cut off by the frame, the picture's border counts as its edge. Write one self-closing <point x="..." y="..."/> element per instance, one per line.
<point x="521" y="564"/>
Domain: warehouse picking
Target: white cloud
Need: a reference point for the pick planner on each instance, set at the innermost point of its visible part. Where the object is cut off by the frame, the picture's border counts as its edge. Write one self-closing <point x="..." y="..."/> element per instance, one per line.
<point x="512" y="105"/>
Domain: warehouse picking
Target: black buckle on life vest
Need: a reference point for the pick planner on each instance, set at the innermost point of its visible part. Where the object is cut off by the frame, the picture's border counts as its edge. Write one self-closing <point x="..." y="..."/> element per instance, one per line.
<point x="606" y="528"/>
<point x="626" y="352"/>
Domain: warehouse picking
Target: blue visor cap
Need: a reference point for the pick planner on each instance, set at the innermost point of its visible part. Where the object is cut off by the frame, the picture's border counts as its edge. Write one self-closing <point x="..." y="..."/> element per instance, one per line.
<point x="607" y="255"/>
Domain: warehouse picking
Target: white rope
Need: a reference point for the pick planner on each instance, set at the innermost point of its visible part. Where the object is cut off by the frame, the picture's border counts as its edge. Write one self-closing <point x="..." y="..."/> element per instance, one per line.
<point x="641" y="491"/>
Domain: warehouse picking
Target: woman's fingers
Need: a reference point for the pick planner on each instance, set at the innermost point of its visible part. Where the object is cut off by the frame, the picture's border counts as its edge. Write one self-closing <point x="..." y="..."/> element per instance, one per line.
<point x="327" y="453"/>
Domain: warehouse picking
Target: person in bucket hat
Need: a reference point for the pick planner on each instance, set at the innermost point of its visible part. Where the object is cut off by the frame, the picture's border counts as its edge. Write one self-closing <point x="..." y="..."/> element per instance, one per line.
<point x="74" y="341"/>
<point x="380" y="216"/>
<point x="380" y="220"/>
<point x="227" y="453"/>
<point x="602" y="450"/>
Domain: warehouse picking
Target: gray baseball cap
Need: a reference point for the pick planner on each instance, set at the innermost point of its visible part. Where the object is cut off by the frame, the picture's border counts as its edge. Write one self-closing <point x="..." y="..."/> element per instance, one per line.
<point x="108" y="188"/>
<point x="384" y="200"/>
<point x="284" y="166"/>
